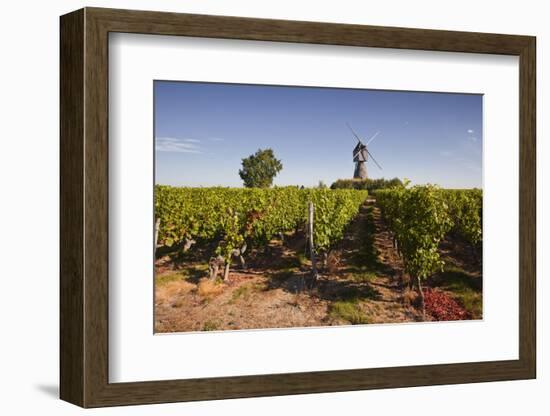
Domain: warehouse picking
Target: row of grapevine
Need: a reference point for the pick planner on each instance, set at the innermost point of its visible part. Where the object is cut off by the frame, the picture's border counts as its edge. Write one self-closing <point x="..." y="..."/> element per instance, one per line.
<point x="235" y="216"/>
<point x="465" y="208"/>
<point x="420" y="216"/>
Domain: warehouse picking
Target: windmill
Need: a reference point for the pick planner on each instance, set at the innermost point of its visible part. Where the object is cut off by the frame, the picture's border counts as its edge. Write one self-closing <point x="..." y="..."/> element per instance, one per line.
<point x="360" y="156"/>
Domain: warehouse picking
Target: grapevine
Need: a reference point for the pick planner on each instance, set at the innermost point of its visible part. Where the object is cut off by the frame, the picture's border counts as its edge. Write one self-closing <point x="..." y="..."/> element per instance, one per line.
<point x="421" y="216"/>
<point x="237" y="216"/>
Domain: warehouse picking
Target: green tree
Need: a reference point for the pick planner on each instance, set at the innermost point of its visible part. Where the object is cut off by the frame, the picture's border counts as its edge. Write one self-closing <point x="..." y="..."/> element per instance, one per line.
<point x="366" y="184"/>
<point x="259" y="169"/>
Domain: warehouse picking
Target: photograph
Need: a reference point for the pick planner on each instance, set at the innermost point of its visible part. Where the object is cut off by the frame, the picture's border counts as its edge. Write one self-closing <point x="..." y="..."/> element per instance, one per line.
<point x="279" y="205"/>
<point x="282" y="206"/>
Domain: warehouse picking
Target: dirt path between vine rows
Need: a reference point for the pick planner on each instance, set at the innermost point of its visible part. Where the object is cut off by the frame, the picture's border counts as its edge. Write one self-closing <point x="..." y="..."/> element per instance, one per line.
<point x="368" y="249"/>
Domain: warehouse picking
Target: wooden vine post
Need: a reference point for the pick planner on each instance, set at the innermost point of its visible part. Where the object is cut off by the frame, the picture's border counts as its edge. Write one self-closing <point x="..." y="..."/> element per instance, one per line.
<point x="422" y="299"/>
<point x="311" y="212"/>
<point x="157" y="227"/>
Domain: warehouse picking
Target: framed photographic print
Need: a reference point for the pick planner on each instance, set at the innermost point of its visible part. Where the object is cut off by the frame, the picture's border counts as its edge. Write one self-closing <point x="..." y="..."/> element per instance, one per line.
<point x="255" y="207"/>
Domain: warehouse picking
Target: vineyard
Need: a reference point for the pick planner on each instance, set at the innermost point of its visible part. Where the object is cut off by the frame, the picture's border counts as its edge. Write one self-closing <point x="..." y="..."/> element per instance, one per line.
<point x="420" y="217"/>
<point x="374" y="251"/>
<point x="240" y="219"/>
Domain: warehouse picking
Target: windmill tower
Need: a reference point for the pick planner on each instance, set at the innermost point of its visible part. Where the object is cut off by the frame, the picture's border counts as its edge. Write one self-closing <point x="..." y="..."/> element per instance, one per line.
<point x="360" y="156"/>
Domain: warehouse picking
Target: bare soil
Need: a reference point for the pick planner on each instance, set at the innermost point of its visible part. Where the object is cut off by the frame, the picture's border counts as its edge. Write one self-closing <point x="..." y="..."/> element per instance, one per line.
<point x="361" y="282"/>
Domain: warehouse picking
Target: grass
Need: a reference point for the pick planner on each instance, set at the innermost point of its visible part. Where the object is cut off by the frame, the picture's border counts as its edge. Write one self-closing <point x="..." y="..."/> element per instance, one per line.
<point x="465" y="289"/>
<point x="210" y="326"/>
<point x="208" y="289"/>
<point x="357" y="293"/>
<point x="347" y="307"/>
<point x="246" y="290"/>
<point x="241" y="292"/>
<point x="170" y="277"/>
<point x="191" y="273"/>
<point x="472" y="302"/>
<point x="349" y="311"/>
<point x="362" y="276"/>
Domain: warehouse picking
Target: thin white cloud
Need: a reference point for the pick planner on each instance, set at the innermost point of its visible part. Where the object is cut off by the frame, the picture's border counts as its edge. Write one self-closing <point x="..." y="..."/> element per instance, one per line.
<point x="473" y="138"/>
<point x="470" y="131"/>
<point x="171" y="144"/>
<point x="446" y="153"/>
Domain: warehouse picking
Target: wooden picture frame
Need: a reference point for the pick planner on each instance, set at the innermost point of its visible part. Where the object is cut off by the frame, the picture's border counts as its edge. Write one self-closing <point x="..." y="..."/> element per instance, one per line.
<point x="84" y="207"/>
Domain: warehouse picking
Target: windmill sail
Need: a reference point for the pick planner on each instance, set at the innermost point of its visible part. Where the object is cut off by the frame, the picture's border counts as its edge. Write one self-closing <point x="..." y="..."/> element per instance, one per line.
<point x="361" y="154"/>
<point x="372" y="138"/>
<point x="373" y="159"/>
<point x="355" y="134"/>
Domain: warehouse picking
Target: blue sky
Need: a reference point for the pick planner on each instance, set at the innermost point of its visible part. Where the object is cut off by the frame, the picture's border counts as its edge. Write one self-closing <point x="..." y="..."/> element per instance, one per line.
<point x="203" y="130"/>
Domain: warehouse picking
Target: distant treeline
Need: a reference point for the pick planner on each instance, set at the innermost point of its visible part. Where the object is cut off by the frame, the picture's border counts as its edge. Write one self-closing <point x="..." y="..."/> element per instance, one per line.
<point x="366" y="184"/>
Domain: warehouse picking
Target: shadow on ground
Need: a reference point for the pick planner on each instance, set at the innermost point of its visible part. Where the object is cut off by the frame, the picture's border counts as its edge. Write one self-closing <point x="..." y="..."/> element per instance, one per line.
<point x="51" y="390"/>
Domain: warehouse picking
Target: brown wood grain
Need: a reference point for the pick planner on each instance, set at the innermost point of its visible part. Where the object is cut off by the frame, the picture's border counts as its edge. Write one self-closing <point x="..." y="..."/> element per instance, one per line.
<point x="527" y="207"/>
<point x="71" y="100"/>
<point x="84" y="207"/>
